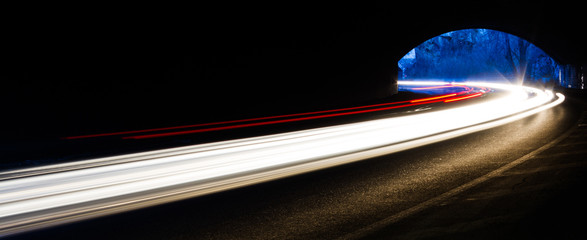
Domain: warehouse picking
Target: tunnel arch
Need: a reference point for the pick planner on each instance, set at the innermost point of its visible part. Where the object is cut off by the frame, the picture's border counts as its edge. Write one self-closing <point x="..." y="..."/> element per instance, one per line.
<point x="481" y="53"/>
<point x="427" y="34"/>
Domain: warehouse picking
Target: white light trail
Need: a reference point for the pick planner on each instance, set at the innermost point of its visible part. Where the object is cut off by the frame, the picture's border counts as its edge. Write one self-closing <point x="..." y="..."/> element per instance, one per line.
<point x="45" y="196"/>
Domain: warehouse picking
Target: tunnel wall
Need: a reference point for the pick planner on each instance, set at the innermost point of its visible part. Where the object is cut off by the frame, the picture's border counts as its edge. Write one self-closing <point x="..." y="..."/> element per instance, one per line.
<point x="148" y="66"/>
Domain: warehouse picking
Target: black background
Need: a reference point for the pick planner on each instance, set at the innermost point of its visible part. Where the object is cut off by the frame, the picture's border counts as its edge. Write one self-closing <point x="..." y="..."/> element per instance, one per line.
<point x="92" y="68"/>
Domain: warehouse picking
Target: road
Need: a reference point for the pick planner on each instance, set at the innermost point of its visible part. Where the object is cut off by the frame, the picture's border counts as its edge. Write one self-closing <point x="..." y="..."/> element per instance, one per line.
<point x="440" y="190"/>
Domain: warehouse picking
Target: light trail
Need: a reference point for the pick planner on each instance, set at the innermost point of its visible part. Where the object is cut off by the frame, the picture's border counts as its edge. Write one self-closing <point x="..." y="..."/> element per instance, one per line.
<point x="464" y="97"/>
<point x="409" y="104"/>
<point x="433" y="98"/>
<point x="228" y="122"/>
<point x="50" y="195"/>
<point x="260" y="121"/>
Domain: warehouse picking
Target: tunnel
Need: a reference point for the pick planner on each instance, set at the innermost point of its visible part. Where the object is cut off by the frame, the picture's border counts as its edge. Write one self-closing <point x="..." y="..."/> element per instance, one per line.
<point x="246" y="120"/>
<point x="110" y="69"/>
<point x="485" y="55"/>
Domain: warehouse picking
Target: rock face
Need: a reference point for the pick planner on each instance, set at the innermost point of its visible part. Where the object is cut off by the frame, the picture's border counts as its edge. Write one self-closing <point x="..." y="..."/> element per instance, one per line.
<point x="480" y="53"/>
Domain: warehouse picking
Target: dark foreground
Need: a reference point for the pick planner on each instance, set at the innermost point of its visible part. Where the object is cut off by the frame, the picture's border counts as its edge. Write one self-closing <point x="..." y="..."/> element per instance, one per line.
<point x="465" y="188"/>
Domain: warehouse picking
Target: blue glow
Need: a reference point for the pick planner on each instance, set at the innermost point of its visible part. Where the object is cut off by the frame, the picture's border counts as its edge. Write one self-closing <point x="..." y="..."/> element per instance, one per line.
<point x="474" y="54"/>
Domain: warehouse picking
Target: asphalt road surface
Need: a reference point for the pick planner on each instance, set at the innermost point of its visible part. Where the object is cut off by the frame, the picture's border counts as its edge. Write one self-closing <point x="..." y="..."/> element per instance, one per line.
<point x="522" y="180"/>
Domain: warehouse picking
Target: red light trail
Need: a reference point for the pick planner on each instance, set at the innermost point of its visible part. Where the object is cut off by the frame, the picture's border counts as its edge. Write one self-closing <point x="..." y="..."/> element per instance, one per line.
<point x="252" y="122"/>
<point x="433" y="98"/>
<point x="465" y="97"/>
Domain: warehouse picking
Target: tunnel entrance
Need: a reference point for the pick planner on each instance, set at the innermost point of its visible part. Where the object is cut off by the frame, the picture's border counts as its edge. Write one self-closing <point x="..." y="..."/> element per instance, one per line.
<point x="487" y="55"/>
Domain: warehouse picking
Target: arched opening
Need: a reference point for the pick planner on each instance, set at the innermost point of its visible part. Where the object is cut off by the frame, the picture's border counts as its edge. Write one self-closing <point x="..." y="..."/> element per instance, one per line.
<point x="486" y="55"/>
